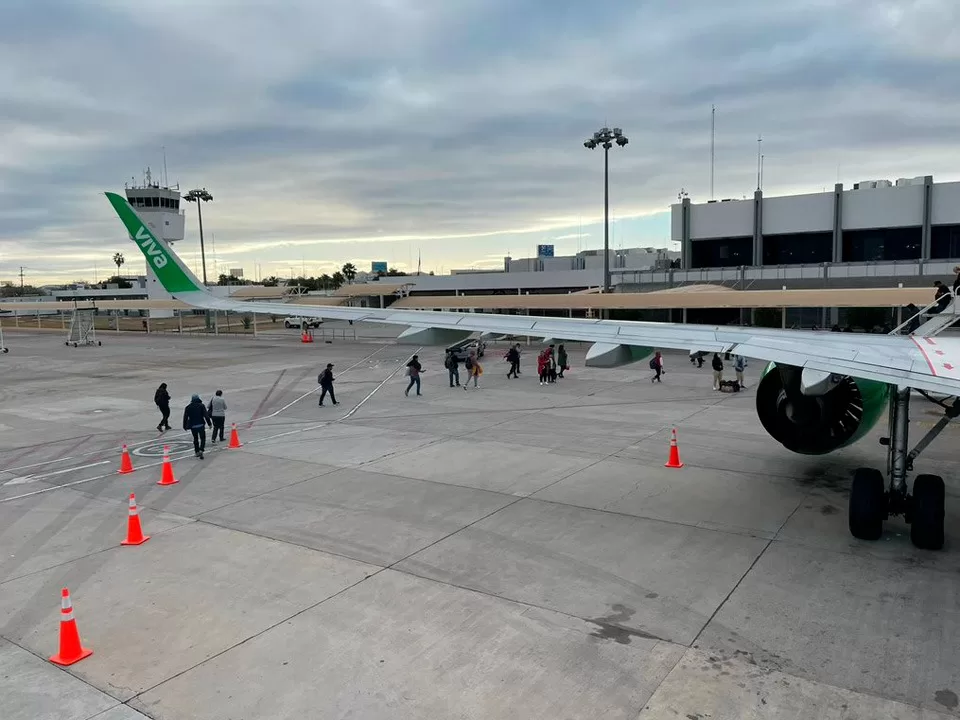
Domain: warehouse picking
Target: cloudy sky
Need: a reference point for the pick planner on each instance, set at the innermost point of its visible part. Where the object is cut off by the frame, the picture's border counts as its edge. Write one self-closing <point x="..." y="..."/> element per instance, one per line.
<point x="358" y="130"/>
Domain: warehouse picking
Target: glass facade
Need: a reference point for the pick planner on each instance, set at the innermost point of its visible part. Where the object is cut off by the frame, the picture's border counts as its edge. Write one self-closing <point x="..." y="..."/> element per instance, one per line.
<point x="797" y="248"/>
<point x="945" y="241"/>
<point x="882" y="244"/>
<point x="722" y="252"/>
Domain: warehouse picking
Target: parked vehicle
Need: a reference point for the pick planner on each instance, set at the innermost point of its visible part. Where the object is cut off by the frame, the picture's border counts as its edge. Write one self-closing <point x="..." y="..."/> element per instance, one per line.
<point x="462" y="349"/>
<point x="299" y="322"/>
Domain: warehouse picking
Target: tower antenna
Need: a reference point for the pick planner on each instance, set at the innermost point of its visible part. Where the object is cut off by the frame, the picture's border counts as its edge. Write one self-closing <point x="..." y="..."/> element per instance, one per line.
<point x="759" y="156"/>
<point x="713" y="134"/>
<point x="166" y="179"/>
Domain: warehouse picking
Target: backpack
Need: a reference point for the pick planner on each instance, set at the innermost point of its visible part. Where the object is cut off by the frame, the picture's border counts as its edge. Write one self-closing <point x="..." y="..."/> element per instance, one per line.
<point x="468" y="363"/>
<point x="653" y="363"/>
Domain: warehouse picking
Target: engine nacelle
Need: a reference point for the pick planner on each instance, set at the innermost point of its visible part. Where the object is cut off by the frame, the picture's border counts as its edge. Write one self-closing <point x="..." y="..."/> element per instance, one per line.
<point x="818" y="424"/>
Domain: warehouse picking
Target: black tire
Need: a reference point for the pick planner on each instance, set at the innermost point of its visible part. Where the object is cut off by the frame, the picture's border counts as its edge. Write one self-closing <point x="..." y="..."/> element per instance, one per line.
<point x="926" y="528"/>
<point x="867" y="504"/>
<point x="287" y="325"/>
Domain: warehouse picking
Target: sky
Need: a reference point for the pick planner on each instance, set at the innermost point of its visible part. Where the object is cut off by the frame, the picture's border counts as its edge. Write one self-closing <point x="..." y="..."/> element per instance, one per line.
<point x="350" y="131"/>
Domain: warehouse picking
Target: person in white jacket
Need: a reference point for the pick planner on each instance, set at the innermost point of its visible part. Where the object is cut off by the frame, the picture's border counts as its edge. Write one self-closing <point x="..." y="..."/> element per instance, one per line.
<point x="218" y="414"/>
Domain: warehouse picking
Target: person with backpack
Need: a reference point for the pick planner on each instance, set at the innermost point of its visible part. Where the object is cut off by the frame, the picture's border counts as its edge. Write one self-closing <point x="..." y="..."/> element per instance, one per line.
<point x="161" y="399"/>
<point x="326" y="385"/>
<point x="196" y="419"/>
<point x="474" y="370"/>
<point x="656" y="364"/>
<point x="414" y="368"/>
<point x="453" y="367"/>
<point x="513" y="357"/>
<point x="739" y="364"/>
<point x="717" y="371"/>
<point x="561" y="360"/>
<point x="551" y="365"/>
<point x="218" y="415"/>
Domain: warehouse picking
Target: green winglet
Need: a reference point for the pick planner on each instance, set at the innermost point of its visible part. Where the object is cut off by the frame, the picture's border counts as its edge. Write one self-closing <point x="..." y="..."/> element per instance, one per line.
<point x="170" y="273"/>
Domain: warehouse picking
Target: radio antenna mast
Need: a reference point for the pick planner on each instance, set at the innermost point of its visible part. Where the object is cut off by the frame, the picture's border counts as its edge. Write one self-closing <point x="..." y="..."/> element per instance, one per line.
<point x="713" y="134"/>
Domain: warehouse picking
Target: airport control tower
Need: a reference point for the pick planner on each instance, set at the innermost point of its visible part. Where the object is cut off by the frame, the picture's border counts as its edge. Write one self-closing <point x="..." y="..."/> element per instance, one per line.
<point x="159" y="206"/>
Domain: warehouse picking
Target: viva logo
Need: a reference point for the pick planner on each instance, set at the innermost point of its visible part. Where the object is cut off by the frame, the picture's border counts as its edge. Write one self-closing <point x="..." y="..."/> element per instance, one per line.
<point x="151" y="248"/>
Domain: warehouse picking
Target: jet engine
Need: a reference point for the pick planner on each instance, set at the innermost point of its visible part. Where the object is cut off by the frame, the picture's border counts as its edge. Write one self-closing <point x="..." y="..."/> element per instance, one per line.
<point x="817" y="424"/>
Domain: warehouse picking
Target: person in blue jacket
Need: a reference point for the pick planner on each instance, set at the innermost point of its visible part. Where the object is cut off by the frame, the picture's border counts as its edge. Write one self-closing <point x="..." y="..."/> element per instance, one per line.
<point x="196" y="418"/>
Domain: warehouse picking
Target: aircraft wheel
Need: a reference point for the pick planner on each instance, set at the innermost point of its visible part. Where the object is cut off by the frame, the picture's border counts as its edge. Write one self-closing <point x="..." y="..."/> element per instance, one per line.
<point x="926" y="528"/>
<point x="99" y="343"/>
<point x="867" y="504"/>
<point x="6" y="350"/>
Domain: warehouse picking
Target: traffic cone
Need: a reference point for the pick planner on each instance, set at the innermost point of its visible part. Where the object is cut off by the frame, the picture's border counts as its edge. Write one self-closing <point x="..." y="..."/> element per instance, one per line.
<point x="126" y="466"/>
<point x="71" y="650"/>
<point x="166" y="476"/>
<point x="135" y="534"/>
<point x="674" y="461"/>
<point x="234" y="437"/>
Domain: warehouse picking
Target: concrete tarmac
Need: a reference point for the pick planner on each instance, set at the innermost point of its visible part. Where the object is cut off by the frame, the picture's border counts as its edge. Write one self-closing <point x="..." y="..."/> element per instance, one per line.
<point x="517" y="551"/>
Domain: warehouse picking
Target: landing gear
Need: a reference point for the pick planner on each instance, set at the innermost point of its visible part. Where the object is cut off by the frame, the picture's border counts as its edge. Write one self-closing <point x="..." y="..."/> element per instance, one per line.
<point x="870" y="504"/>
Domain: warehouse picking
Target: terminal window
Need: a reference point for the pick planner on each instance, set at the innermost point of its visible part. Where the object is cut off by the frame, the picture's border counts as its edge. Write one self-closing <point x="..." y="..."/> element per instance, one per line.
<point x="721" y="252"/>
<point x="945" y="241"/>
<point x="879" y="244"/>
<point x="797" y="248"/>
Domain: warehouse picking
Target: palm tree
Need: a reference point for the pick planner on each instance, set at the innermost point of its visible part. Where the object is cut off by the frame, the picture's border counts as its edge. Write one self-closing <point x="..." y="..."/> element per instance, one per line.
<point x="349" y="272"/>
<point x="118" y="261"/>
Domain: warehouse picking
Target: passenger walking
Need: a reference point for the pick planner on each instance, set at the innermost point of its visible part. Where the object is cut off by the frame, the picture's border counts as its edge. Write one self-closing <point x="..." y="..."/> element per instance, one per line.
<point x="717" y="371"/>
<point x="656" y="364"/>
<point x="196" y="419"/>
<point x="414" y="368"/>
<point x="453" y="368"/>
<point x="474" y="369"/>
<point x="513" y="357"/>
<point x="326" y="384"/>
<point x="162" y="400"/>
<point x="739" y="364"/>
<point x="218" y="415"/>
<point x="562" y="360"/>
<point x="543" y="365"/>
<point x="551" y="365"/>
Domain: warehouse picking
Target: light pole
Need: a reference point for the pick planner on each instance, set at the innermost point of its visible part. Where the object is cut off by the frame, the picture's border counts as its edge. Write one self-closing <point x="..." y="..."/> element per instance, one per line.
<point x="605" y="138"/>
<point x="196" y="196"/>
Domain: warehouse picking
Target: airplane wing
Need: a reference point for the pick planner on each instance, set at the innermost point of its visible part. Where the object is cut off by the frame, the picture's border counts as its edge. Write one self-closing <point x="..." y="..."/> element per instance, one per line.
<point x="931" y="364"/>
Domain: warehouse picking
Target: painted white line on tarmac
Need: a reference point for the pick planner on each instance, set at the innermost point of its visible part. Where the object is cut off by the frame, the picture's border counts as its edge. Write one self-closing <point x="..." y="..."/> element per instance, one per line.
<point x="172" y="458"/>
<point x="312" y="390"/>
<point x="34" y="478"/>
<point x="185" y="434"/>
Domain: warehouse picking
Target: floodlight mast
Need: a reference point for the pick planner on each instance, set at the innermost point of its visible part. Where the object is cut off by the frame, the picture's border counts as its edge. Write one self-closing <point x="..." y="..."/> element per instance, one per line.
<point x="197" y="195"/>
<point x="606" y="138"/>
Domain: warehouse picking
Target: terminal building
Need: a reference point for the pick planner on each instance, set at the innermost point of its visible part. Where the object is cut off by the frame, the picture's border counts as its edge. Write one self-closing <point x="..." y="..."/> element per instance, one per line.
<point x="903" y="230"/>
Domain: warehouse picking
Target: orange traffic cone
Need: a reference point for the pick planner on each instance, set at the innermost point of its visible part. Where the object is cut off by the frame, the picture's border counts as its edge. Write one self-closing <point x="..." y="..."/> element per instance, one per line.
<point x="71" y="650"/>
<point x="126" y="466"/>
<point x="166" y="476"/>
<point x="234" y="437"/>
<point x="135" y="534"/>
<point x="674" y="461"/>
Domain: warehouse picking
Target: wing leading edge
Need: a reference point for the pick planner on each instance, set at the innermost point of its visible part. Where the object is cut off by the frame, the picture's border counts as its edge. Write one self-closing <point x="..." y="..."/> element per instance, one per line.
<point x="931" y="364"/>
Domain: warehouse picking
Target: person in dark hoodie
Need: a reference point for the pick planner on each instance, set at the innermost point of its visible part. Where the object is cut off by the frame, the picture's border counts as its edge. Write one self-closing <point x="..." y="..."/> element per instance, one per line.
<point x="326" y="385"/>
<point x="162" y="400"/>
<point x="196" y="418"/>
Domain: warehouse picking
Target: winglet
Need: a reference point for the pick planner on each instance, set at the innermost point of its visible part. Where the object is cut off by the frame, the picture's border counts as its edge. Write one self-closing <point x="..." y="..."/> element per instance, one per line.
<point x="169" y="269"/>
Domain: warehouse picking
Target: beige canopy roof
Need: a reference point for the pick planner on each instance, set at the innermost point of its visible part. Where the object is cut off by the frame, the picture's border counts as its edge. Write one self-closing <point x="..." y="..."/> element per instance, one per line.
<point x="711" y="296"/>
<point x="369" y="289"/>
<point x="708" y="296"/>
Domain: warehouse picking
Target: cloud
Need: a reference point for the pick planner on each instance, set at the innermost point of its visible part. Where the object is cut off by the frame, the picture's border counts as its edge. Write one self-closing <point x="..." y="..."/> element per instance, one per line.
<point x="341" y="129"/>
